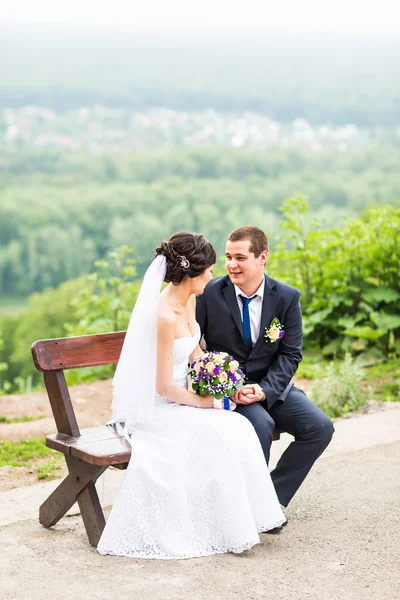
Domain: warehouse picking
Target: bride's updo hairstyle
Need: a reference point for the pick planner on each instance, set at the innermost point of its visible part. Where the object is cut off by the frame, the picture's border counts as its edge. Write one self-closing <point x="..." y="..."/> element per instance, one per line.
<point x="187" y="254"/>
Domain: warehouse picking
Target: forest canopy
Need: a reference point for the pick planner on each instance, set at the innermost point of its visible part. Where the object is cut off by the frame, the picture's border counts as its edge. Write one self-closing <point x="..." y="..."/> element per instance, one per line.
<point x="60" y="211"/>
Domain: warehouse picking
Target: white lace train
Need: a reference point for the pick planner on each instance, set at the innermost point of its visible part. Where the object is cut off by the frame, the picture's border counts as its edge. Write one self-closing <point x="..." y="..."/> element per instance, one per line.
<point x="197" y="483"/>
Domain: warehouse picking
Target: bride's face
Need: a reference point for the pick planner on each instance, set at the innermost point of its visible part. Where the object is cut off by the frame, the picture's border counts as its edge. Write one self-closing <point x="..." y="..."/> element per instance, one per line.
<point x="200" y="282"/>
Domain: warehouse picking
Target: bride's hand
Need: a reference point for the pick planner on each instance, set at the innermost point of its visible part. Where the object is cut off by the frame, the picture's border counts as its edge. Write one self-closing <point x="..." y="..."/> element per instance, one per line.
<point x="205" y="402"/>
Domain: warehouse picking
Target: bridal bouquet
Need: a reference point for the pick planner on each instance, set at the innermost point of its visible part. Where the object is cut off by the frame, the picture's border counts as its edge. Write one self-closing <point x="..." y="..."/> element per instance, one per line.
<point x="217" y="374"/>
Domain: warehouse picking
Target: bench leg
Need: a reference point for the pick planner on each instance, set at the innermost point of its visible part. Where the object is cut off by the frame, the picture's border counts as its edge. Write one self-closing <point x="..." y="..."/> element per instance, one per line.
<point x="89" y="504"/>
<point x="81" y="476"/>
<point x="92" y="513"/>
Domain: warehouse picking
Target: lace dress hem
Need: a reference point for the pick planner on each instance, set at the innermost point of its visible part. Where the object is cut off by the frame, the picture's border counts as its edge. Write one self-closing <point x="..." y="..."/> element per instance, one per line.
<point x="206" y="552"/>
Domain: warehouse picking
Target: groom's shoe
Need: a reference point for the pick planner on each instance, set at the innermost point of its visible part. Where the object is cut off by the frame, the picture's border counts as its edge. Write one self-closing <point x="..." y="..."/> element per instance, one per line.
<point x="275" y="529"/>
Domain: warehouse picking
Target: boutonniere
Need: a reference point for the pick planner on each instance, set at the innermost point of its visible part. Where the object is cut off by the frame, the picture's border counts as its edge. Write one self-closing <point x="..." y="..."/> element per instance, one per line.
<point x="275" y="331"/>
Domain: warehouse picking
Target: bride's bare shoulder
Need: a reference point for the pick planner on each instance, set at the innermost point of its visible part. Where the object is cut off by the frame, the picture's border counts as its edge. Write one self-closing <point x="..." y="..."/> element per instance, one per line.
<point x="166" y="318"/>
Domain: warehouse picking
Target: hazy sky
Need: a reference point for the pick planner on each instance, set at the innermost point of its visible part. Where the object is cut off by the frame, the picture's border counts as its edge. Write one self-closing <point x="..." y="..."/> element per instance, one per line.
<point x="359" y="15"/>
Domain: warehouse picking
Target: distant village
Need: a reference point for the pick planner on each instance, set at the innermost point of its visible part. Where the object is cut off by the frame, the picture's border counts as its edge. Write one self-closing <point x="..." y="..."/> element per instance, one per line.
<point x="99" y="128"/>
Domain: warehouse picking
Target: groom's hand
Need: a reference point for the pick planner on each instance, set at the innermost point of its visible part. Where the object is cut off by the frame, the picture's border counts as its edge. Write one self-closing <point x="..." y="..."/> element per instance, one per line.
<point x="248" y="394"/>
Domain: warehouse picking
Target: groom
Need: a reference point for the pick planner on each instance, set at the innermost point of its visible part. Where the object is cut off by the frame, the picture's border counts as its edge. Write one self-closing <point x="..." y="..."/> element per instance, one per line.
<point x="258" y="320"/>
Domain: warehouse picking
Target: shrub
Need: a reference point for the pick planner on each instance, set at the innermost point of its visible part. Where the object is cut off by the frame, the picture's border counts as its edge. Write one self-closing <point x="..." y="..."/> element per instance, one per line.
<point x="337" y="388"/>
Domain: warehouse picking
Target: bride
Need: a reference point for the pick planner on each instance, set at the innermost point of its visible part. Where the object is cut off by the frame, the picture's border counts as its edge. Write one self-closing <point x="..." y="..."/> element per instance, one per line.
<point x="197" y="482"/>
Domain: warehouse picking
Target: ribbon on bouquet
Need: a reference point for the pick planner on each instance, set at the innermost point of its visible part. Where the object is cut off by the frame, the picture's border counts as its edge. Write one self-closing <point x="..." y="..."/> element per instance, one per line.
<point x="226" y="403"/>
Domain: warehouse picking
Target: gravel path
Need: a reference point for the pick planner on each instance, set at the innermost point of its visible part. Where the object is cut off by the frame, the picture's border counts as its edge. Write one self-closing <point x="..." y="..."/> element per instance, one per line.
<point x="341" y="543"/>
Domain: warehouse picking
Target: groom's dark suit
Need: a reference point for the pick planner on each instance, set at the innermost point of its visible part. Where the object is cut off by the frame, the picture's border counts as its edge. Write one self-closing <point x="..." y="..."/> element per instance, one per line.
<point x="271" y="365"/>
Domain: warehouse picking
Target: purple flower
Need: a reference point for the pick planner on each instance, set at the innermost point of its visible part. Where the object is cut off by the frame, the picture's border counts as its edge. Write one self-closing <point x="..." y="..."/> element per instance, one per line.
<point x="217" y="370"/>
<point x="281" y="334"/>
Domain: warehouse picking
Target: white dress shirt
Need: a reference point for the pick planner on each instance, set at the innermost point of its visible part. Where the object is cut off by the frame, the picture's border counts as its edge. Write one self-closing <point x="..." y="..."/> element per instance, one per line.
<point x="255" y="309"/>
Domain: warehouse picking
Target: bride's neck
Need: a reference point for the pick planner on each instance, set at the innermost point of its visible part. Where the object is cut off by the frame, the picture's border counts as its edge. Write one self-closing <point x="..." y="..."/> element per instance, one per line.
<point x="180" y="293"/>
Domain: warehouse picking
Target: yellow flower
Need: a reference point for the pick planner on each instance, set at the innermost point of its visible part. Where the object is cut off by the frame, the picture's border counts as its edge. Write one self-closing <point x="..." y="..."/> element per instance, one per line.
<point x="223" y="377"/>
<point x="273" y="333"/>
<point x="234" y="365"/>
<point x="210" y="367"/>
<point x="220" y="359"/>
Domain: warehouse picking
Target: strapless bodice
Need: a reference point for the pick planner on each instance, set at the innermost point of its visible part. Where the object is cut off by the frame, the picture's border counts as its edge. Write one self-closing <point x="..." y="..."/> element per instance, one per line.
<point x="183" y="348"/>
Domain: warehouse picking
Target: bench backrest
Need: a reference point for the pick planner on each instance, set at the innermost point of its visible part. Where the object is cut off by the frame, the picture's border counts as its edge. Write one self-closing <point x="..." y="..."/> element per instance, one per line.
<point x="53" y="356"/>
<point x="59" y="354"/>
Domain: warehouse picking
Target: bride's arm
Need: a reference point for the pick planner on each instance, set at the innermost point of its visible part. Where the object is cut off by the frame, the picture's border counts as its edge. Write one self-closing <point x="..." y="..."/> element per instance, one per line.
<point x="166" y="386"/>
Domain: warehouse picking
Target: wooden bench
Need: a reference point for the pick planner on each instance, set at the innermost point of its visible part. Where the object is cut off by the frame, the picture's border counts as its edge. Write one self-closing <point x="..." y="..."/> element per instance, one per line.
<point x="88" y="452"/>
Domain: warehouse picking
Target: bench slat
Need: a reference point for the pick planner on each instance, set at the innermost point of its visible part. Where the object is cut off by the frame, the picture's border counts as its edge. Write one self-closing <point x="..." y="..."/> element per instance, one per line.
<point x="75" y="352"/>
<point x="101" y="445"/>
<point x="108" y="452"/>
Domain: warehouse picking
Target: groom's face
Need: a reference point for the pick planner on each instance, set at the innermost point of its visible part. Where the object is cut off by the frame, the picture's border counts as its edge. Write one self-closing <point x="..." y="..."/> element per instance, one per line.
<point x="244" y="269"/>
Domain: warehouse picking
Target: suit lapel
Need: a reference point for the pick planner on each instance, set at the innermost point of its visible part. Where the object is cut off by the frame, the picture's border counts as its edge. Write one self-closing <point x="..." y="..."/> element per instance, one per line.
<point x="231" y="300"/>
<point x="267" y="312"/>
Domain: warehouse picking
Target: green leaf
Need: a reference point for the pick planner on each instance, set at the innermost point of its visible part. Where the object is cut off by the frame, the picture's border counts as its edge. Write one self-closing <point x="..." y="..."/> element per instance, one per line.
<point x="332" y="348"/>
<point x="388" y="321"/>
<point x="365" y="332"/>
<point x="348" y="322"/>
<point x="319" y="316"/>
<point x="380" y="294"/>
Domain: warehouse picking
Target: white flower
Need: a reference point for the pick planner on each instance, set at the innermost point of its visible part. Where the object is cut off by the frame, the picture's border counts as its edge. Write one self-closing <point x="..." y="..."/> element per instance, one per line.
<point x="273" y="334"/>
<point x="275" y="331"/>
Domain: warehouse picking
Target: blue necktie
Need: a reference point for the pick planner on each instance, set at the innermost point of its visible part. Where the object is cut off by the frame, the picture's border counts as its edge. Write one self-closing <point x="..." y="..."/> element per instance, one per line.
<point x="246" y="320"/>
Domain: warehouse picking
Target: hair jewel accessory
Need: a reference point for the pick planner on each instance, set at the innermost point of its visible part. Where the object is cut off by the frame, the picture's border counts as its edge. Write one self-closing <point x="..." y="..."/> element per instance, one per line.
<point x="185" y="264"/>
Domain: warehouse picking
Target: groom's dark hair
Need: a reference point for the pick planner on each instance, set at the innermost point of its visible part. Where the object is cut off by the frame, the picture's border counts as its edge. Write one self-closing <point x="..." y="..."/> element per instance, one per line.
<point x="257" y="238"/>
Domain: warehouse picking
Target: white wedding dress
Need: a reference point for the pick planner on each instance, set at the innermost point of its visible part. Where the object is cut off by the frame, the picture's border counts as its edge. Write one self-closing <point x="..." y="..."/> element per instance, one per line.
<point x="197" y="483"/>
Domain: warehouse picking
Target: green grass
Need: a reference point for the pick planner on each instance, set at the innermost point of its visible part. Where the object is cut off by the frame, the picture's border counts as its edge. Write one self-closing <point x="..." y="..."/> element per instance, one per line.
<point x="383" y="379"/>
<point x="23" y="419"/>
<point x="26" y="453"/>
<point x="388" y="391"/>
<point x="310" y="365"/>
<point x="19" y="454"/>
<point x="49" y="470"/>
<point x="390" y="368"/>
<point x="313" y="361"/>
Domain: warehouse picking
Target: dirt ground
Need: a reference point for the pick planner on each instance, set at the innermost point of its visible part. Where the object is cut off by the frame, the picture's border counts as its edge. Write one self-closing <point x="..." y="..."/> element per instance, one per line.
<point x="341" y="543"/>
<point x="92" y="404"/>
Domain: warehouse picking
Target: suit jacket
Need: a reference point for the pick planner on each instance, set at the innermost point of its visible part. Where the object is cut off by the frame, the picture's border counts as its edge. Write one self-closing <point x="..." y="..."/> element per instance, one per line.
<point x="270" y="364"/>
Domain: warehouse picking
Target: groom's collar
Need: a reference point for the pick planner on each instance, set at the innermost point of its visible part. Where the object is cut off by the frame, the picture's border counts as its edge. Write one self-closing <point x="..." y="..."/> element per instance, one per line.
<point x="259" y="292"/>
<point x="269" y="283"/>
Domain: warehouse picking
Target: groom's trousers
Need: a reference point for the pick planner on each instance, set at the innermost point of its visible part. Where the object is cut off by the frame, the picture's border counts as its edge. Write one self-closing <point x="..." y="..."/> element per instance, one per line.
<point x="312" y="431"/>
